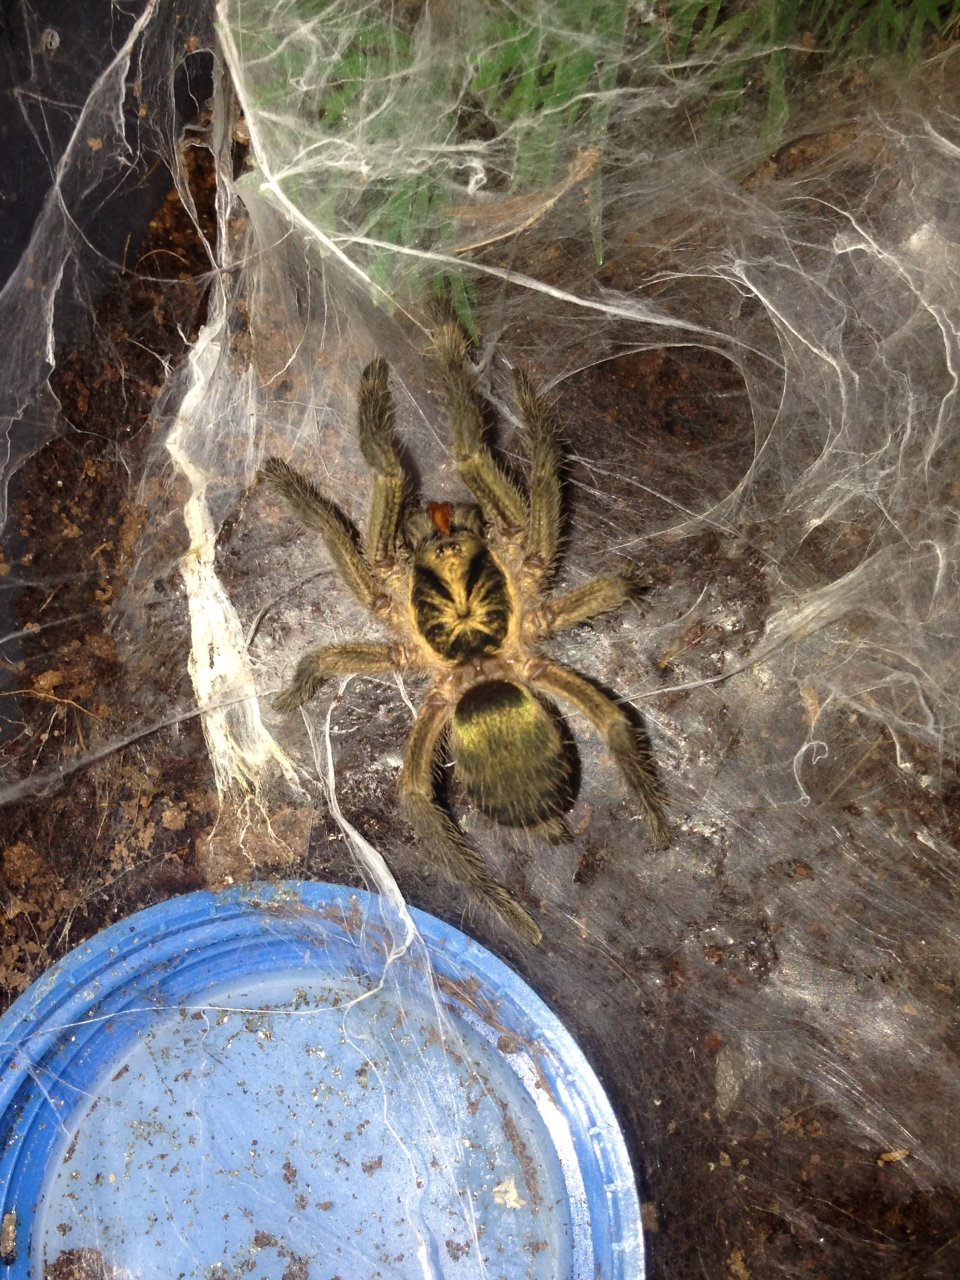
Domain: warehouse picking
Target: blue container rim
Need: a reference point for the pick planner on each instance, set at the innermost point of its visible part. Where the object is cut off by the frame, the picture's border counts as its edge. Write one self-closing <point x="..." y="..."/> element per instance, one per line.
<point x="63" y="1025"/>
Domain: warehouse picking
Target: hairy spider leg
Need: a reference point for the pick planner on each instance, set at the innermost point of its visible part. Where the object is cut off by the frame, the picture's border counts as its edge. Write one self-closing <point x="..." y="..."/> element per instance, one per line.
<point x="319" y="514"/>
<point x="442" y="839"/>
<point x="501" y="501"/>
<point x="317" y="665"/>
<point x="626" y="742"/>
<point x="600" y="595"/>
<point x="381" y="452"/>
<point x="543" y="444"/>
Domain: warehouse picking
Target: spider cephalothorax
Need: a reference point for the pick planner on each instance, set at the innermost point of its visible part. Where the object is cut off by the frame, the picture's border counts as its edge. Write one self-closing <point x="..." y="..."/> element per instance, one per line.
<point x="466" y="593"/>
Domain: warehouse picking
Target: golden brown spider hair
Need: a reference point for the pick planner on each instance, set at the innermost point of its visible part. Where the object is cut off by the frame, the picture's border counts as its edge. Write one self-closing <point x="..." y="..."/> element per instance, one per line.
<point x="465" y="592"/>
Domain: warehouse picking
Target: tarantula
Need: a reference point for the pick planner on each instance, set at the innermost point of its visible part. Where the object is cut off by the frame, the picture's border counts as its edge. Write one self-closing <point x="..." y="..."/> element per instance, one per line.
<point x="465" y="590"/>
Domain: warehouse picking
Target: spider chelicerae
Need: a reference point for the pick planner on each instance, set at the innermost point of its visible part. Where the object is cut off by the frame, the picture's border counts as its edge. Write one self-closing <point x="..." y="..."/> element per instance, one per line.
<point x="466" y="592"/>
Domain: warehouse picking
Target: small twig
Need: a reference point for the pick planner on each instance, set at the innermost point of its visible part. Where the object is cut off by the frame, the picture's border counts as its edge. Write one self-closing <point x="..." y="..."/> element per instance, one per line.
<point x="48" y="697"/>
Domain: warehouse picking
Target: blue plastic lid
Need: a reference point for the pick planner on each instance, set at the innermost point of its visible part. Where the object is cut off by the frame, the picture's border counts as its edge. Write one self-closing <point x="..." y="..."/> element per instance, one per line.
<point x="277" y="1083"/>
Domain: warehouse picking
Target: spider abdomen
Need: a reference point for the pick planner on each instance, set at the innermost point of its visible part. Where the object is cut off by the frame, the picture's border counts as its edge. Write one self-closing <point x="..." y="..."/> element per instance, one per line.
<point x="510" y="755"/>
<point x="460" y="598"/>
